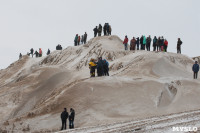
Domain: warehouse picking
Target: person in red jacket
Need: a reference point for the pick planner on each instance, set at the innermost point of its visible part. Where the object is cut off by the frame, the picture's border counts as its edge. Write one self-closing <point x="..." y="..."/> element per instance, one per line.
<point x="79" y="39"/>
<point x="165" y="45"/>
<point x="126" y="43"/>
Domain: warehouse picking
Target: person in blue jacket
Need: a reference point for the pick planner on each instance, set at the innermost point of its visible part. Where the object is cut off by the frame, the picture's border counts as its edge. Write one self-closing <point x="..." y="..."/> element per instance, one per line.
<point x="195" y="69"/>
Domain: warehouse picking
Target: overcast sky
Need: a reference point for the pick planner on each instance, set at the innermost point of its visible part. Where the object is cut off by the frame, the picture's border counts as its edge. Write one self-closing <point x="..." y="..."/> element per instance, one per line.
<point x="45" y="23"/>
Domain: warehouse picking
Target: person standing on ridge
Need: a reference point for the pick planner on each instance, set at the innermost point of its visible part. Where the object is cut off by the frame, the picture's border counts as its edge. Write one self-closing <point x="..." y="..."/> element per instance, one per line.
<point x="85" y="37"/>
<point x="40" y="52"/>
<point x="31" y="52"/>
<point x="141" y="43"/>
<point x="179" y="43"/>
<point x="99" y="30"/>
<point x="144" y="42"/>
<point x="132" y="44"/>
<point x="165" y="45"/>
<point x="195" y="69"/>
<point x="107" y="29"/>
<point x="104" y="29"/>
<point x="154" y="43"/>
<point x="110" y="30"/>
<point x="148" y="43"/>
<point x="76" y="40"/>
<point x="71" y="118"/>
<point x="36" y="54"/>
<point x="79" y="39"/>
<point x="82" y="39"/>
<point x="64" y="116"/>
<point x="125" y="42"/>
<point x="92" y="66"/>
<point x="138" y="43"/>
<point x="20" y="56"/>
<point x="95" y="31"/>
<point x="48" y="52"/>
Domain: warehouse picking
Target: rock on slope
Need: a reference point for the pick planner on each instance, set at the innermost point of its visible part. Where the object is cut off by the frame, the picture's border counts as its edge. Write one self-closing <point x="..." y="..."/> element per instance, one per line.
<point x="33" y="92"/>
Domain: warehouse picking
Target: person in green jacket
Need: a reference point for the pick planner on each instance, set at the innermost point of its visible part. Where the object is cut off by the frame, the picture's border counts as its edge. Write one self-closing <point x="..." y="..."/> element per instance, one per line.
<point x="144" y="42"/>
<point x="76" y="40"/>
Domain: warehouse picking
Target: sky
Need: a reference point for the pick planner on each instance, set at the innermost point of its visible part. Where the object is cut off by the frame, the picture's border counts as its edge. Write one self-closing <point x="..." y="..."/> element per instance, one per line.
<point x="26" y="24"/>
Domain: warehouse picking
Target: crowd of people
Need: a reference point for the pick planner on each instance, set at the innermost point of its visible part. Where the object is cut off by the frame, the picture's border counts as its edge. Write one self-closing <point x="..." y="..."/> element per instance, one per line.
<point x="142" y="43"/>
<point x="102" y="67"/>
<point x="64" y="116"/>
<point x="106" y="30"/>
<point x="80" y="39"/>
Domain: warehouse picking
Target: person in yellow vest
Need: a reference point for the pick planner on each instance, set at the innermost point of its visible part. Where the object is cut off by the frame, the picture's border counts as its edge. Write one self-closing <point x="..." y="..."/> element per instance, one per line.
<point x="92" y="66"/>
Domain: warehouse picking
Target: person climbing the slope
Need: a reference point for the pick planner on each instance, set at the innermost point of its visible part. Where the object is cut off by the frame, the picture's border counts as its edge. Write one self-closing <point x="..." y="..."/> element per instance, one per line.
<point x="179" y="43"/>
<point x="71" y="118"/>
<point x="92" y="66"/>
<point x="85" y="37"/>
<point x="106" y="67"/>
<point x="132" y="44"/>
<point x="138" y="43"/>
<point x="100" y="70"/>
<point x="95" y="31"/>
<point x="99" y="30"/>
<point x="195" y="69"/>
<point x="40" y="52"/>
<point x="64" y="116"/>
<point x="125" y="43"/>
<point x="76" y="40"/>
<point x="154" y="43"/>
<point x="31" y="52"/>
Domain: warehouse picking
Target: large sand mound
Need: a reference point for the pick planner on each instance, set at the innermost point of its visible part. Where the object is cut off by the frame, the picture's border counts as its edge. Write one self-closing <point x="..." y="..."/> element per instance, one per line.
<point x="33" y="92"/>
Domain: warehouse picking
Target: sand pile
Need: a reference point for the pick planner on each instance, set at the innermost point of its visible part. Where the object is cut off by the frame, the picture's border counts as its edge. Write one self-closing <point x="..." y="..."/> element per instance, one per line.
<point x="33" y="92"/>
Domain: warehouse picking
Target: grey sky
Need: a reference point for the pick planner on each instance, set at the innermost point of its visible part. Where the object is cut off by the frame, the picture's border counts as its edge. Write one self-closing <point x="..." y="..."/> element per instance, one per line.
<point x="45" y="23"/>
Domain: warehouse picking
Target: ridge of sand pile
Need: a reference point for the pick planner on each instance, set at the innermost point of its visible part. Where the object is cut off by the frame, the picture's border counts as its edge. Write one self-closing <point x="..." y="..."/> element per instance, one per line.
<point x="33" y="91"/>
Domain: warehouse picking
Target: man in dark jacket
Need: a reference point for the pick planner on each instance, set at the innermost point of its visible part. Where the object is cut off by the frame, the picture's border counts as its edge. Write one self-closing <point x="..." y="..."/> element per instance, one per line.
<point x="48" y="52"/>
<point x="85" y="37"/>
<point x="141" y="43"/>
<point x="99" y="30"/>
<point x="100" y="70"/>
<point x="148" y="43"/>
<point x="64" y="116"/>
<point x="138" y="43"/>
<point x="195" y="69"/>
<point x="104" y="29"/>
<point x="31" y="52"/>
<point x="71" y="118"/>
<point x="179" y="43"/>
<point x="95" y="31"/>
<point x="154" y="43"/>
<point x="106" y="67"/>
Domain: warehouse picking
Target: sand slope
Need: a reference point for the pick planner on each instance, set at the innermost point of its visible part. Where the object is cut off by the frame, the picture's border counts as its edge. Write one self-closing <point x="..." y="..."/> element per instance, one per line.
<point x="33" y="92"/>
